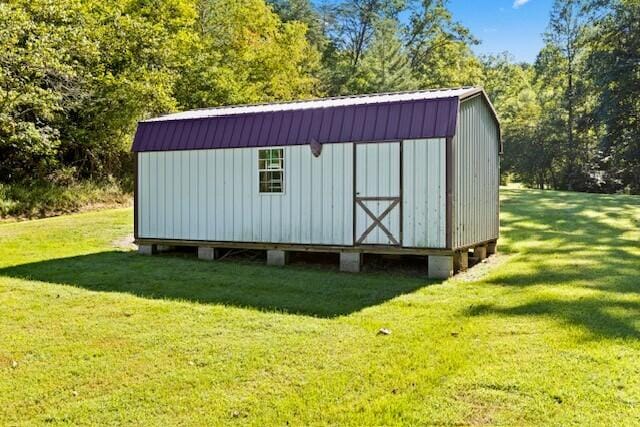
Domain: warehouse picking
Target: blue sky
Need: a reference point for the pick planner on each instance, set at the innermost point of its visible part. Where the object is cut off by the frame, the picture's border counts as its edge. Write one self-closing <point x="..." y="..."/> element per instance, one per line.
<point x="515" y="26"/>
<point x="505" y="25"/>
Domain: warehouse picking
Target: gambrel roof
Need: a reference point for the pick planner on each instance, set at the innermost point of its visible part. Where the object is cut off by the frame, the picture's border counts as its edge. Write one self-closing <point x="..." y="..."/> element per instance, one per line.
<point x="360" y="118"/>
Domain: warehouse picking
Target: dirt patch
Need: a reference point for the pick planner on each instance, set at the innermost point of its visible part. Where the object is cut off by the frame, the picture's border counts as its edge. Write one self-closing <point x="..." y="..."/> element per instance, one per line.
<point x="125" y="242"/>
<point x="482" y="268"/>
<point x="486" y="401"/>
<point x="479" y="412"/>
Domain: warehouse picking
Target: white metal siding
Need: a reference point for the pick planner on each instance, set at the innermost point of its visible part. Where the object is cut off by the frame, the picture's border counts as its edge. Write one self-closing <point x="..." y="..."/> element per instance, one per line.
<point x="213" y="195"/>
<point x="378" y="175"/>
<point x="424" y="200"/>
<point x="476" y="175"/>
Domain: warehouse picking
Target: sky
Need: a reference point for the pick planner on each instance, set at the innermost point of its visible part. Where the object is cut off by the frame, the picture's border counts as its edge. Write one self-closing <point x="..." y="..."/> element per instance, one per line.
<point x="505" y="25"/>
<point x="515" y="26"/>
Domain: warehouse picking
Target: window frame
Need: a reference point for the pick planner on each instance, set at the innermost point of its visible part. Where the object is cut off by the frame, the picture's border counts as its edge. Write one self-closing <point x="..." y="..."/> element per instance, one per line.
<point x="282" y="169"/>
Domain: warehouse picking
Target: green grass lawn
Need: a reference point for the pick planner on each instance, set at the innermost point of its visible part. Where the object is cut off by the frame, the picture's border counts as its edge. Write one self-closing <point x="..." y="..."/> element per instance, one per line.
<point x="91" y="333"/>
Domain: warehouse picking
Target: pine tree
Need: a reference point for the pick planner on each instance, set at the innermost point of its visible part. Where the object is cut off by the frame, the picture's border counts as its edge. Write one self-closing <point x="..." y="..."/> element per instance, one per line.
<point x="385" y="65"/>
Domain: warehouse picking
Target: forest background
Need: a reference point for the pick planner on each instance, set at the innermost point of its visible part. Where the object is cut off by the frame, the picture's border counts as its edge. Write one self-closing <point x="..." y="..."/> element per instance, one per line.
<point x="77" y="75"/>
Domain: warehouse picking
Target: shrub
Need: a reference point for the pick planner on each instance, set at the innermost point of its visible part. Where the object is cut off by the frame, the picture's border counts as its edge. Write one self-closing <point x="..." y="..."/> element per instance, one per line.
<point x="41" y="198"/>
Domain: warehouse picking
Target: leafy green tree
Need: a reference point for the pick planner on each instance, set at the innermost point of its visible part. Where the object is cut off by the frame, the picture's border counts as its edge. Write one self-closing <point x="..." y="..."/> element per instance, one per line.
<point x="77" y="77"/>
<point x="78" y="74"/>
<point x="385" y="65"/>
<point x="439" y="48"/>
<point x="357" y="21"/>
<point x="302" y="11"/>
<point x="131" y="78"/>
<point x="565" y="40"/>
<point x="244" y="53"/>
<point x="352" y="30"/>
<point x="36" y="43"/>
<point x="511" y="88"/>
<point x="614" y="67"/>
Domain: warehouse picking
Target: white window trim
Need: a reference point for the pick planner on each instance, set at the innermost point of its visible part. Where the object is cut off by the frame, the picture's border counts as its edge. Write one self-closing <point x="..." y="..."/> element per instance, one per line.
<point x="258" y="170"/>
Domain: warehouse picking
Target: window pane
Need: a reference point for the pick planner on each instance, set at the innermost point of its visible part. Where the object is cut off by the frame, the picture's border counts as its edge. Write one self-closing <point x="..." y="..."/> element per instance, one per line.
<point x="270" y="170"/>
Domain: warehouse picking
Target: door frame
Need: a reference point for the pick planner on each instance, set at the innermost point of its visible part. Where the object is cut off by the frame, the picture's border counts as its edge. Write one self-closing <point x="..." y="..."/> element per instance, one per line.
<point x="394" y="200"/>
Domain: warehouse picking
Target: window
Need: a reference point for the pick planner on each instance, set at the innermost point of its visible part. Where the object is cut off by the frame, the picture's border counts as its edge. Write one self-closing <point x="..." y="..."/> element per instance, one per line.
<point x="271" y="170"/>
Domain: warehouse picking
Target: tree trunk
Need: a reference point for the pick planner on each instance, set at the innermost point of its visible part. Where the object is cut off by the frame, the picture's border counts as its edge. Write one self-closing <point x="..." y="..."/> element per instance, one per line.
<point x="570" y="109"/>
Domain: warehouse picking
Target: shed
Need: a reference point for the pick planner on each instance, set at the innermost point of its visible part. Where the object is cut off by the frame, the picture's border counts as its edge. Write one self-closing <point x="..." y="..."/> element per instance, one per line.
<point x="394" y="173"/>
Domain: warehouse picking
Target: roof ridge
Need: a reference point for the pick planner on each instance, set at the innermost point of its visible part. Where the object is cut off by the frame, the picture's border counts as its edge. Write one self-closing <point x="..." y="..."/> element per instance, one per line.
<point x="172" y="116"/>
<point x="329" y="98"/>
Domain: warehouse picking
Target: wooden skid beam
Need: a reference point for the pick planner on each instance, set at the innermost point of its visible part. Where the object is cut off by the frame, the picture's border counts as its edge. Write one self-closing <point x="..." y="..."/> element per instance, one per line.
<point x="369" y="249"/>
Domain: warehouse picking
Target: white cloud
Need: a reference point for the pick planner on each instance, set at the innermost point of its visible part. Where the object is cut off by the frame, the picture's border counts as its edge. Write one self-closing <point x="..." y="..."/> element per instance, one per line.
<point x="519" y="3"/>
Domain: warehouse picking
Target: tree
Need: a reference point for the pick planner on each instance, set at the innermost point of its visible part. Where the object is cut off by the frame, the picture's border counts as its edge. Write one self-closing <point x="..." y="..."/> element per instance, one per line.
<point x="77" y="77"/>
<point x="356" y="22"/>
<point x="302" y="11"/>
<point x="614" y="66"/>
<point x="385" y="65"/>
<point x="439" y="48"/>
<point x="352" y="30"/>
<point x="79" y="74"/>
<point x="565" y="45"/>
<point x="510" y="86"/>
<point x="130" y="78"/>
<point x="37" y="42"/>
<point x="244" y="53"/>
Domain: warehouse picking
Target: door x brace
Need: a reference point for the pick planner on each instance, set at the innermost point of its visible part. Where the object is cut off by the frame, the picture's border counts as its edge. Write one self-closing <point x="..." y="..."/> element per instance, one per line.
<point x="377" y="220"/>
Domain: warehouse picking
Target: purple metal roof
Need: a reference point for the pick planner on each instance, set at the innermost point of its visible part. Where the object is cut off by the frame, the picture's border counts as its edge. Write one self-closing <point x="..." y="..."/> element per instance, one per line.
<point x="384" y="120"/>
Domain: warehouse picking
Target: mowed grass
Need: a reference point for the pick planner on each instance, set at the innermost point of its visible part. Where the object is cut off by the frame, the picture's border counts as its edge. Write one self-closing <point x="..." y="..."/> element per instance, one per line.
<point x="95" y="334"/>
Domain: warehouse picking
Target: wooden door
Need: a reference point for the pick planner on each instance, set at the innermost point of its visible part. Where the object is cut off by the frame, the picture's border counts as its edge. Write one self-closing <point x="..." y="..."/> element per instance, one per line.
<point x="378" y="202"/>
